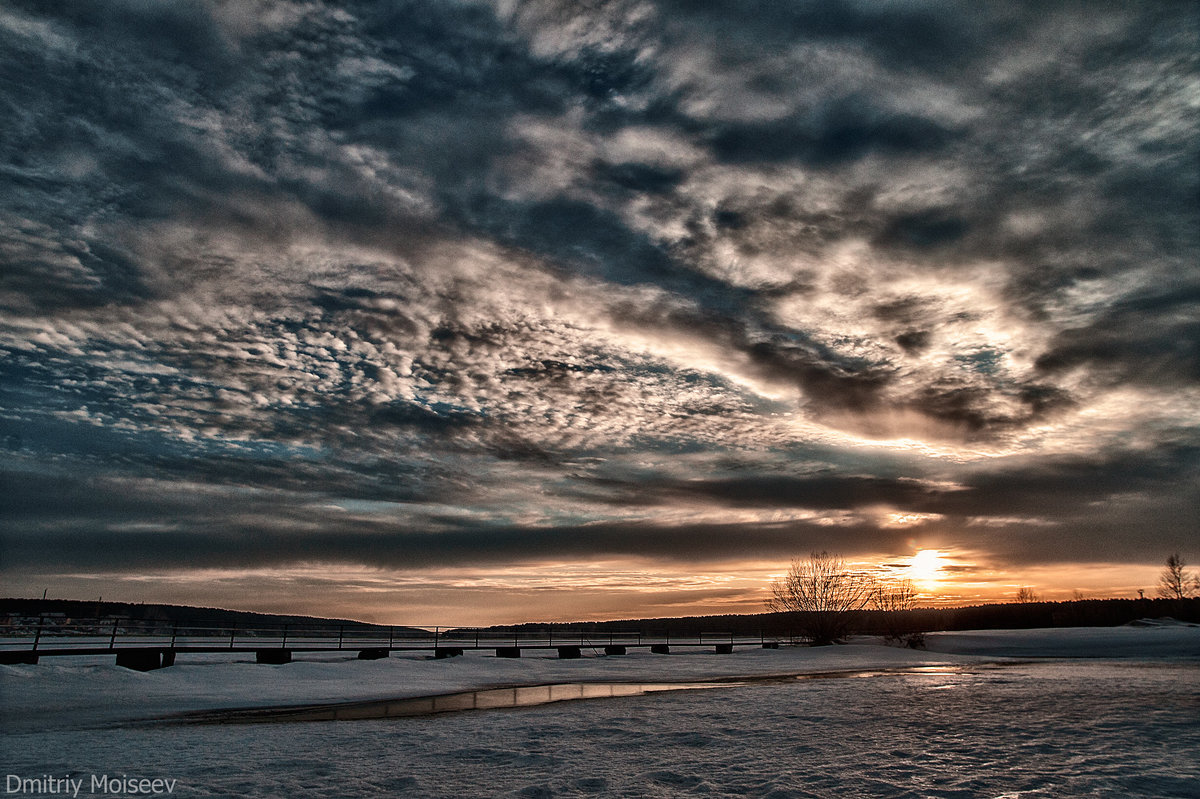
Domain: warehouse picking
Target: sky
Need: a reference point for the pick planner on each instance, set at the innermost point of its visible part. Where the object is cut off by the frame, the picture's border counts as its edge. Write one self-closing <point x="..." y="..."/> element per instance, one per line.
<point x="480" y="312"/>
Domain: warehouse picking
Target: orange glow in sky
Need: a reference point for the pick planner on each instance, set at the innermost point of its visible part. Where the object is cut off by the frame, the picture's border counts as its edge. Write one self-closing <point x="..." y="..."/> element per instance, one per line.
<point x="613" y="589"/>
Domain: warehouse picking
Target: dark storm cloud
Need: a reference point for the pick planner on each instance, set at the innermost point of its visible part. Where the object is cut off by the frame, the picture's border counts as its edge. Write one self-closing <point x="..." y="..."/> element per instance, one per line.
<point x="639" y="177"/>
<point x="921" y="35"/>
<point x="816" y="492"/>
<point x="845" y="125"/>
<point x="840" y="134"/>
<point x="76" y="521"/>
<point x="282" y="541"/>
<point x="923" y="229"/>
<point x="1068" y="486"/>
<point x="1151" y="338"/>
<point x="1148" y="495"/>
<point x="408" y="283"/>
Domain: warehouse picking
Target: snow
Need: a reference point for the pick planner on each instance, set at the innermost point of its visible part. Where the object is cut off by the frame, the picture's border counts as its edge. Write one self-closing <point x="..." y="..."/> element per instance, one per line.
<point x="1160" y="638"/>
<point x="1111" y="712"/>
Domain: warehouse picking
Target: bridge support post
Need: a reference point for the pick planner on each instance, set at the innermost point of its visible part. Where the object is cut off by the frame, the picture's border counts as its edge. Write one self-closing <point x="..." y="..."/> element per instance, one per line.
<point x="140" y="659"/>
<point x="614" y="650"/>
<point x="274" y="657"/>
<point x="569" y="652"/>
<point x="660" y="649"/>
<point x="168" y="658"/>
<point x="508" y="652"/>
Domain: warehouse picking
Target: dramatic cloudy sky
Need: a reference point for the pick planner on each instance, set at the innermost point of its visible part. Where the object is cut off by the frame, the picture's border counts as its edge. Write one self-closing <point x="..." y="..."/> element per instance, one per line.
<point x="455" y="312"/>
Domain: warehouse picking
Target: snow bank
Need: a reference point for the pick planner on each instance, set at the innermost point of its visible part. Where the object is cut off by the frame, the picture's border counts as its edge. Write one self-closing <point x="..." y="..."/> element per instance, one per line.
<point x="1156" y="641"/>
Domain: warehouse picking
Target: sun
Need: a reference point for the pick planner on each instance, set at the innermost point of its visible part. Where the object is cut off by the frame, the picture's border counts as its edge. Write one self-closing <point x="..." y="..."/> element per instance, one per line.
<point x="926" y="565"/>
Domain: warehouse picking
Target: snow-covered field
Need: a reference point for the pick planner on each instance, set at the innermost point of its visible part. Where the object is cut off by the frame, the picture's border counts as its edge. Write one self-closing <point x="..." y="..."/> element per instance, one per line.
<point x="1104" y="712"/>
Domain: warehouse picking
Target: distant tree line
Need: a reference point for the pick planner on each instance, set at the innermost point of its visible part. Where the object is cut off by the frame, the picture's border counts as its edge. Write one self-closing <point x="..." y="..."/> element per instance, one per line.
<point x="1016" y="616"/>
<point x="83" y="610"/>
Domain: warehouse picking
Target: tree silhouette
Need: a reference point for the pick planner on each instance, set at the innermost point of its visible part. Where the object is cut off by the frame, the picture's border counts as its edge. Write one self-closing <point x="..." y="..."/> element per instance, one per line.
<point x="1174" y="582"/>
<point x="894" y="598"/>
<point x="824" y="594"/>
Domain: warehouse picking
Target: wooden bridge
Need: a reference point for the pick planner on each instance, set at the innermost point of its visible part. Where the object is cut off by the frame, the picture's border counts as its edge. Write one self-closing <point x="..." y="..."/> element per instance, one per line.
<point x="148" y="645"/>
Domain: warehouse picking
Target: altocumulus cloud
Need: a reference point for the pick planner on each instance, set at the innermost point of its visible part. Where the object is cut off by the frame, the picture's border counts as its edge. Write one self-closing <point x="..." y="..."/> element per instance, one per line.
<point x="407" y="286"/>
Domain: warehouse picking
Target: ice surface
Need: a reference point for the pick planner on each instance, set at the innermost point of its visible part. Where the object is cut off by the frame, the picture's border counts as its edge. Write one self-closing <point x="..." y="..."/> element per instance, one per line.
<point x="1101" y="726"/>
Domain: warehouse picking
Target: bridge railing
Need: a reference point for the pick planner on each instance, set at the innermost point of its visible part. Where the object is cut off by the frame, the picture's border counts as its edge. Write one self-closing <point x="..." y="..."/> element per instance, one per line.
<point x="55" y="633"/>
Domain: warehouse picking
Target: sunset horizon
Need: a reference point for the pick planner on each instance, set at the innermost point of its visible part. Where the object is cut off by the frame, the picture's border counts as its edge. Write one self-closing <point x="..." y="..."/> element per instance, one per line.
<point x="934" y="588"/>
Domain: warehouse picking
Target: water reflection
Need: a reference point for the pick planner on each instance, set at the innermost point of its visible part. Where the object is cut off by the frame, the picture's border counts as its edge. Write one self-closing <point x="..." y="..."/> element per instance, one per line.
<point x="901" y="671"/>
<point x="487" y="699"/>
<point x="528" y="696"/>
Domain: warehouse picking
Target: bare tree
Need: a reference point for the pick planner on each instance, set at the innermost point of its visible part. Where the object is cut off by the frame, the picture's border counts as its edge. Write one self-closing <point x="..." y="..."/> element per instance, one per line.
<point x="1026" y="595"/>
<point x="825" y="596"/>
<point x="1174" y="582"/>
<point x="894" y="598"/>
<point x="894" y="595"/>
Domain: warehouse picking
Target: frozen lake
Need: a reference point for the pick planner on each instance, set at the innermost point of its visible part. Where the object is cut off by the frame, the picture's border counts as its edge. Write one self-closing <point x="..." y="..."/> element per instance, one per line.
<point x="946" y="724"/>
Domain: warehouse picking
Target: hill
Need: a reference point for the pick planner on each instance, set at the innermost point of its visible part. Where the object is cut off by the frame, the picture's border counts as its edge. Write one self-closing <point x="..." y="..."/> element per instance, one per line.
<point x="81" y="611"/>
